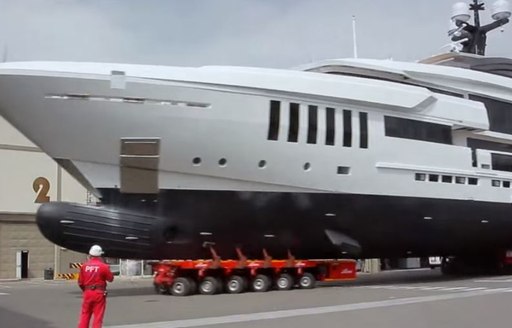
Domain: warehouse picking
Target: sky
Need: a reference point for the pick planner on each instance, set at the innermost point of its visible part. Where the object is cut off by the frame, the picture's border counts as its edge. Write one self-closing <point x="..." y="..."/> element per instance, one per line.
<point x="262" y="33"/>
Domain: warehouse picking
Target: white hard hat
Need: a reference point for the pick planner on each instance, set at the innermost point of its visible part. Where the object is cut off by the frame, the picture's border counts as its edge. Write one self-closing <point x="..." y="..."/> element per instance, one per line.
<point x="95" y="250"/>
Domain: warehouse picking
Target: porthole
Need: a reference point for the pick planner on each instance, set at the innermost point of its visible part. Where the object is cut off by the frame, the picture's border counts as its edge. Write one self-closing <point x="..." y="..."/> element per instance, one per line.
<point x="196" y="161"/>
<point x="307" y="166"/>
<point x="262" y="164"/>
<point x="223" y="162"/>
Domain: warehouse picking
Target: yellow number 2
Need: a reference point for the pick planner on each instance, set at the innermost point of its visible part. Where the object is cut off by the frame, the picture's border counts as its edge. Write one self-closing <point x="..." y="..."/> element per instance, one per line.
<point x="41" y="187"/>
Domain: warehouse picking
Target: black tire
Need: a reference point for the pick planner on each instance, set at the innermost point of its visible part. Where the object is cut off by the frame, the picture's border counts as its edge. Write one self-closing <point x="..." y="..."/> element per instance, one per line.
<point x="161" y="289"/>
<point x="181" y="287"/>
<point x="284" y="281"/>
<point x="307" y="281"/>
<point x="193" y="286"/>
<point x="261" y="283"/>
<point x="209" y="286"/>
<point x="236" y="284"/>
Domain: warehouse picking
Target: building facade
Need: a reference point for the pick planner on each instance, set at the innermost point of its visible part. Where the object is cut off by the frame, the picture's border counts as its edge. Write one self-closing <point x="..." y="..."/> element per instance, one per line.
<point x="28" y="177"/>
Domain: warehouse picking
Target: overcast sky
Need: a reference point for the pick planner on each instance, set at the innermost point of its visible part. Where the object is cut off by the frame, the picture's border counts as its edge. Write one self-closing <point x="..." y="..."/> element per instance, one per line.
<point x="272" y="33"/>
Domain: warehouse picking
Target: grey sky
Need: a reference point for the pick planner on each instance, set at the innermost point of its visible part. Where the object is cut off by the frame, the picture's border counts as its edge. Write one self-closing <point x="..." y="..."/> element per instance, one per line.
<point x="273" y="33"/>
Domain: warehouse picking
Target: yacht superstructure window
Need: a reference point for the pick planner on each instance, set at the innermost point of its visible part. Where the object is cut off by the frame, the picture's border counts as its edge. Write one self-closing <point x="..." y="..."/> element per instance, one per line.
<point x="420" y="177"/>
<point x="343" y="170"/>
<point x="499" y="112"/>
<point x="447" y="178"/>
<point x="496" y="183"/>
<point x="475" y="144"/>
<point x="363" y="130"/>
<point x="501" y="162"/>
<point x="417" y="130"/>
<point x="312" y="124"/>
<point x="329" y="127"/>
<point x="460" y="180"/>
<point x="433" y="177"/>
<point x="293" y="129"/>
<point x="347" y="128"/>
<point x="273" y="128"/>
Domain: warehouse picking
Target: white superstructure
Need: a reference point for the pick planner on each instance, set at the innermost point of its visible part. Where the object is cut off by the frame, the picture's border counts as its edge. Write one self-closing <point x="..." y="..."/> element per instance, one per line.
<point x="213" y="123"/>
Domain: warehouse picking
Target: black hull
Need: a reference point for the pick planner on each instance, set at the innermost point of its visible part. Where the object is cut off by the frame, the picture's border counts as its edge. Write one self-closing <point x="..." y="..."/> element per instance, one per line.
<point x="178" y="224"/>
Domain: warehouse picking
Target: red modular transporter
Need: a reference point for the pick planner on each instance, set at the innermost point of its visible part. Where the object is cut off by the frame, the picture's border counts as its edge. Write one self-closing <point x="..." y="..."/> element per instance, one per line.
<point x="213" y="276"/>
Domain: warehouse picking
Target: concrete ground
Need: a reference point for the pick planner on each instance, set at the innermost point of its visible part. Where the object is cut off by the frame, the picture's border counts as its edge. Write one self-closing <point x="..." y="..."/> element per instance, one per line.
<point x="422" y="298"/>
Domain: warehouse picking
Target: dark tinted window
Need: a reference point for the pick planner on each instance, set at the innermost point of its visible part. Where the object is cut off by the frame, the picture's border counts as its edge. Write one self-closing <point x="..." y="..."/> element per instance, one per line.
<point x="293" y="131"/>
<point x="489" y="145"/>
<point x="273" y="127"/>
<point x="347" y="128"/>
<point x="417" y="130"/>
<point x="501" y="162"/>
<point x="312" y="124"/>
<point x="363" y="126"/>
<point x="330" y="124"/>
<point x="500" y="114"/>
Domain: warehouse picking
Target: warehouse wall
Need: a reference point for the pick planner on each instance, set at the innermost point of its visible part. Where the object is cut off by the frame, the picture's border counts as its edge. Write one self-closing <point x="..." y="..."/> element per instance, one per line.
<point x="28" y="177"/>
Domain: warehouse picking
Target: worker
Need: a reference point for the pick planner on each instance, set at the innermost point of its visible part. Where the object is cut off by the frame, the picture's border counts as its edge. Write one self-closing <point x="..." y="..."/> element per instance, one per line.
<point x="93" y="278"/>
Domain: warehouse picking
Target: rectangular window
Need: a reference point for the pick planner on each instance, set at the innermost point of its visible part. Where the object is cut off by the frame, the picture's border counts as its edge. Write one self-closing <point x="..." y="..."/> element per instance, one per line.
<point x="473" y="181"/>
<point x="363" y="128"/>
<point x="447" y="178"/>
<point x="506" y="184"/>
<point x="343" y="170"/>
<point x="433" y="177"/>
<point x="330" y="124"/>
<point x="312" y="124"/>
<point x="347" y="128"/>
<point x="501" y="162"/>
<point x="475" y="144"/>
<point x="496" y="183"/>
<point x="420" y="177"/>
<point x="273" y="127"/>
<point x="293" y="130"/>
<point x="460" y="180"/>
<point x="417" y="130"/>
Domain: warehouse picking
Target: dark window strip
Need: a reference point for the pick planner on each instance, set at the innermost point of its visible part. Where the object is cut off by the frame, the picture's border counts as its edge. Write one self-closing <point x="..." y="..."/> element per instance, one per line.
<point x="417" y="130"/>
<point x="293" y="130"/>
<point x="347" y="128"/>
<point x="330" y="124"/>
<point x="363" y="126"/>
<point x="312" y="124"/>
<point x="501" y="162"/>
<point x="273" y="127"/>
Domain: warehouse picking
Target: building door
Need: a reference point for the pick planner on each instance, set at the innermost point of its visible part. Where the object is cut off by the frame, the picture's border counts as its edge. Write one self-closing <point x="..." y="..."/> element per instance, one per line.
<point x="22" y="264"/>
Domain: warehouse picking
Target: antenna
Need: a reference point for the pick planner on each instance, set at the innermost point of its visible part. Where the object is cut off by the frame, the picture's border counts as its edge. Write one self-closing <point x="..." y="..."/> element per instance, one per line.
<point x="354" y="35"/>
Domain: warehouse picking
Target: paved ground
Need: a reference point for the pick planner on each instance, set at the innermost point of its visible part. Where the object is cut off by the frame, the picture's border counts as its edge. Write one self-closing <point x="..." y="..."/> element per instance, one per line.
<point x="392" y="299"/>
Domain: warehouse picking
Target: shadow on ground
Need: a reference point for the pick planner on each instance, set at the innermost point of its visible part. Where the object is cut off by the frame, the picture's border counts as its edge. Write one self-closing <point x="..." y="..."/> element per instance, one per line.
<point x="400" y="278"/>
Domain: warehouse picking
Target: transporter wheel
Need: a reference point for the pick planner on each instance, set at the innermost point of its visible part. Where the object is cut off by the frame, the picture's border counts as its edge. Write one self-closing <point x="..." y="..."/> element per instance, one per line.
<point x="193" y="286"/>
<point x="209" y="286"/>
<point x="307" y="281"/>
<point x="181" y="287"/>
<point x="236" y="284"/>
<point x="284" y="281"/>
<point x="161" y="289"/>
<point x="261" y="283"/>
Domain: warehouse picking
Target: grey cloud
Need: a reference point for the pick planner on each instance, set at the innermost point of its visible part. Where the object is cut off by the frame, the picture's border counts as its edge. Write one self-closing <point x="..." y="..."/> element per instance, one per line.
<point x="273" y="33"/>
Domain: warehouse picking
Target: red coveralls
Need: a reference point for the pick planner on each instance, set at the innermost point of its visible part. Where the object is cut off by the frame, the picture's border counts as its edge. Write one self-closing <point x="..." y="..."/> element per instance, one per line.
<point x="93" y="278"/>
